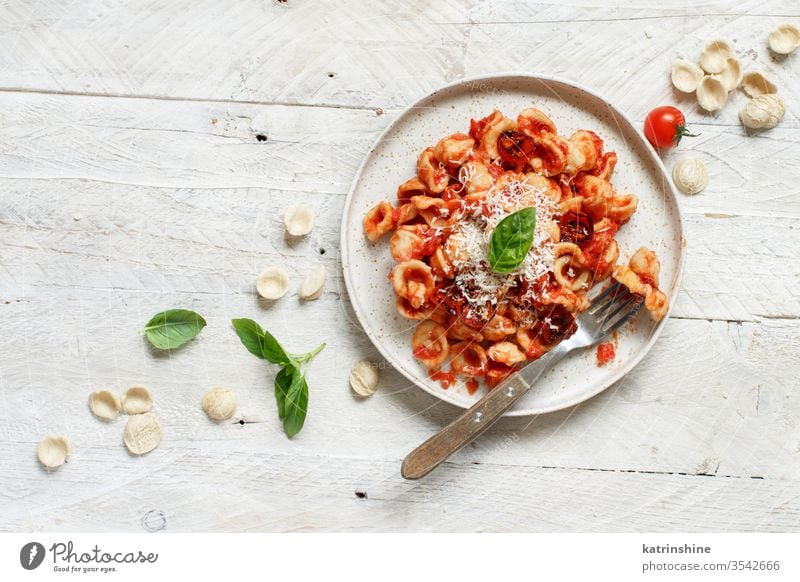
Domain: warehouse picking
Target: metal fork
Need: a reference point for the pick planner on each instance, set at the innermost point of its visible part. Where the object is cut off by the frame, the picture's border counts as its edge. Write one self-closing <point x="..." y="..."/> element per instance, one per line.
<point x="608" y="312"/>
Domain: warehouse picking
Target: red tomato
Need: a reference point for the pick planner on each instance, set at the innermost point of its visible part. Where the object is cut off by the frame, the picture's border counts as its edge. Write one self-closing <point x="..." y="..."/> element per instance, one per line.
<point x="664" y="127"/>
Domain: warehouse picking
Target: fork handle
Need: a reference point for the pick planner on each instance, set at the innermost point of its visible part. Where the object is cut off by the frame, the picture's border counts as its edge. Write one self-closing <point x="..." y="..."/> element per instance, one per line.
<point x="477" y="419"/>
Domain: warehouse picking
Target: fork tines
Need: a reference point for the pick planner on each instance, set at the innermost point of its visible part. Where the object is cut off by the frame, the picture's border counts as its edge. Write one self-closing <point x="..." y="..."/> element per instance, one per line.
<point x="607" y="297"/>
<point x="614" y="306"/>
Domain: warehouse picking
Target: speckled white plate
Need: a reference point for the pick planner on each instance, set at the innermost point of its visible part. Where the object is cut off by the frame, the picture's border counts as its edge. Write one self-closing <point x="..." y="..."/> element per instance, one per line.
<point x="391" y="161"/>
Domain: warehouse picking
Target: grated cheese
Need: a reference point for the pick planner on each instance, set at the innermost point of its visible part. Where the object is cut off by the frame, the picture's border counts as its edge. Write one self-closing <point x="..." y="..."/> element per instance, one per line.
<point x="481" y="287"/>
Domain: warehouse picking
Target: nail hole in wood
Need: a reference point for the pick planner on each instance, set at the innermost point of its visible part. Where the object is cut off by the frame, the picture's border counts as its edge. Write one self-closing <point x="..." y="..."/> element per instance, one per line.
<point x="361" y="494"/>
<point x="261" y="137"/>
<point x="322" y="251"/>
<point x="331" y="75"/>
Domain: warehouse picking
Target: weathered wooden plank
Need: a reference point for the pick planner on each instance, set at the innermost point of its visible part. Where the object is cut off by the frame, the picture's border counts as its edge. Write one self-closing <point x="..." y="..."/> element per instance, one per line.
<point x="308" y="150"/>
<point x="711" y="397"/>
<point x="140" y="239"/>
<point x="373" y="54"/>
<point x="256" y="490"/>
<point x="114" y="208"/>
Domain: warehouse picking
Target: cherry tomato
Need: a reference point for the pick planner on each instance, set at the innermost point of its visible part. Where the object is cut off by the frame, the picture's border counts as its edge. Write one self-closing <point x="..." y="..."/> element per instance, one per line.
<point x="576" y="228"/>
<point x="515" y="147"/>
<point x="664" y="127"/>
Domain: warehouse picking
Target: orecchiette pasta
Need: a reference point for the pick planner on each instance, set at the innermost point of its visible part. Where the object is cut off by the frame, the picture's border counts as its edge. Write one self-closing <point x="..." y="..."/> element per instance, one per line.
<point x="484" y="323"/>
<point x="410" y="188"/>
<point x="413" y="280"/>
<point x="429" y="343"/>
<point x="507" y="353"/>
<point x="454" y="149"/>
<point x="469" y="359"/>
<point x="641" y="277"/>
<point x="432" y="172"/>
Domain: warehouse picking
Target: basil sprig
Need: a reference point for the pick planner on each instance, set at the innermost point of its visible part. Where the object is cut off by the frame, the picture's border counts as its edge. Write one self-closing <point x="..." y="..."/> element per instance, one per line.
<point x="511" y="240"/>
<point x="171" y="329"/>
<point x="291" y="388"/>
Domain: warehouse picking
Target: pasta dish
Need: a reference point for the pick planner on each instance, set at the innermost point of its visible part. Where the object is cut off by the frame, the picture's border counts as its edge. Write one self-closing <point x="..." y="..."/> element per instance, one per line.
<point x="499" y="239"/>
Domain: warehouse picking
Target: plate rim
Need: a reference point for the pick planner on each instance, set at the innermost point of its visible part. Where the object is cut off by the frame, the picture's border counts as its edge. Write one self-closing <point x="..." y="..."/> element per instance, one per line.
<point x="654" y="157"/>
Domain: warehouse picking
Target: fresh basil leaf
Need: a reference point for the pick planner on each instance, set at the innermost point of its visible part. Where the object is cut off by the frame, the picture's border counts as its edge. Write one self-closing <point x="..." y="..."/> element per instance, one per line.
<point x="273" y="351"/>
<point x="283" y="381"/>
<point x="296" y="405"/>
<point x="291" y="388"/>
<point x="260" y="343"/>
<point x="171" y="329"/>
<point x="511" y="240"/>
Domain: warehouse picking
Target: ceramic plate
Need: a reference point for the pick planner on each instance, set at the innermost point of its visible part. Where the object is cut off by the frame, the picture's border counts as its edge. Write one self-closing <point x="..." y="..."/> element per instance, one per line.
<point x="392" y="160"/>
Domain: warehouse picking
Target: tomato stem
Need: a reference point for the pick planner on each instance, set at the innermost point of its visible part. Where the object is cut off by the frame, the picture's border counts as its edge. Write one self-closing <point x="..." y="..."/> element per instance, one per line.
<point x="680" y="131"/>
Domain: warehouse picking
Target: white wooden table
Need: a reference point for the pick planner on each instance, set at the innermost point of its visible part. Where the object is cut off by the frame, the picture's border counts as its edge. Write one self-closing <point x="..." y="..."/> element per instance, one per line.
<point x="133" y="179"/>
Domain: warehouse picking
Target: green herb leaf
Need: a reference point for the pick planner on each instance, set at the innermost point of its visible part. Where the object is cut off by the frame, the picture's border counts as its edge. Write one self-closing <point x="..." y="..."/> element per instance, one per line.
<point x="259" y="342"/>
<point x="511" y="240"/>
<point x="291" y="388"/>
<point x="296" y="406"/>
<point x="171" y="329"/>
<point x="283" y="381"/>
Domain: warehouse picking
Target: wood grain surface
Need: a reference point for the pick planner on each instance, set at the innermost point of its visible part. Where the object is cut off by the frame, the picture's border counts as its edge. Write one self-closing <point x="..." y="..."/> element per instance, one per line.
<point x="147" y="152"/>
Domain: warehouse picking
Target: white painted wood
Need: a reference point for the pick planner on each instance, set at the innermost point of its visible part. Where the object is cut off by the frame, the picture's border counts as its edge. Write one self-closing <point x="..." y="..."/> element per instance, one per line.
<point x="112" y="208"/>
<point x="267" y="51"/>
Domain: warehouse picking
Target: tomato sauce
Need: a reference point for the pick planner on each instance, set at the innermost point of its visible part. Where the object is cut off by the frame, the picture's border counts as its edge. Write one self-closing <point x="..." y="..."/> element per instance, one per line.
<point x="605" y="353"/>
<point x="495" y="171"/>
<point x="596" y="247"/>
<point x="427" y="352"/>
<point x="472" y="386"/>
<point x="478" y="127"/>
<point x="446" y="379"/>
<point x="647" y="280"/>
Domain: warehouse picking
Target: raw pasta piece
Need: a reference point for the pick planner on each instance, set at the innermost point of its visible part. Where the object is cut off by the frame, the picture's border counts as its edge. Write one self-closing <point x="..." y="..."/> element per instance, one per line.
<point x="312" y="286"/>
<point x="53" y="451"/>
<point x="731" y="75"/>
<point x="690" y="175"/>
<point x="784" y="39"/>
<point x="755" y="84"/>
<point x="272" y="283"/>
<point x="686" y="76"/>
<point x="219" y="403"/>
<point x="299" y="219"/>
<point x="763" y="112"/>
<point x="137" y="400"/>
<point x="711" y="94"/>
<point x="142" y="433"/>
<point x="364" y="378"/>
<point x="104" y="404"/>
<point x="714" y="56"/>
